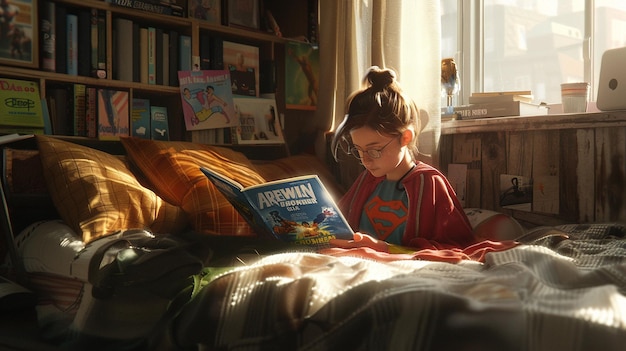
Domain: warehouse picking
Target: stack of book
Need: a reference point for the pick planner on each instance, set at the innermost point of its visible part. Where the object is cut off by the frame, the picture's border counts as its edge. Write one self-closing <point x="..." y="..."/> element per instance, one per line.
<point x="500" y="104"/>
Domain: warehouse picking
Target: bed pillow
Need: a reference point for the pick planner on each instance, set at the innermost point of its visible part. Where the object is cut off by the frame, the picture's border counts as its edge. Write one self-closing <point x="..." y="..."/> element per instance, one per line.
<point x="96" y="194"/>
<point x="173" y="169"/>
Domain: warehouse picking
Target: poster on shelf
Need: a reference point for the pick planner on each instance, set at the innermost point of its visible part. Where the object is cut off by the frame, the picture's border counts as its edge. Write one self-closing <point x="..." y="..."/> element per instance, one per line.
<point x="301" y="75"/>
<point x="18" y="33"/>
<point x="207" y="99"/>
<point x="259" y="122"/>
<point x="242" y="61"/>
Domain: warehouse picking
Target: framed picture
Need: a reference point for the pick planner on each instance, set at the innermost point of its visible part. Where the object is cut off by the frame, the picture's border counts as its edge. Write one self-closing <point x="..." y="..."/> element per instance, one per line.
<point x="206" y="10"/>
<point x="242" y="61"/>
<point x="243" y="13"/>
<point x="259" y="122"/>
<point x="18" y="33"/>
<point x="301" y="75"/>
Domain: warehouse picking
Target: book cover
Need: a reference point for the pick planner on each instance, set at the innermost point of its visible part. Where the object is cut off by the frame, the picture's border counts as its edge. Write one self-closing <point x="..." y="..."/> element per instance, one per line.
<point x="123" y="55"/>
<point x="140" y="118"/>
<point x="206" y="10"/>
<point x="72" y="44"/>
<point x="159" y="128"/>
<point x="47" y="31"/>
<point x="242" y="61"/>
<point x="298" y="210"/>
<point x="259" y="122"/>
<point x="499" y="109"/>
<point x="481" y="99"/>
<point x="79" y="109"/>
<point x="207" y="99"/>
<point x="301" y="75"/>
<point x="113" y="114"/>
<point x="20" y="103"/>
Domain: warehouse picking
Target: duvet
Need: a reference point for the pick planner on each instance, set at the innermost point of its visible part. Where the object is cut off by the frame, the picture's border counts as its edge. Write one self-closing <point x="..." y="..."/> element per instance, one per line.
<point x="561" y="290"/>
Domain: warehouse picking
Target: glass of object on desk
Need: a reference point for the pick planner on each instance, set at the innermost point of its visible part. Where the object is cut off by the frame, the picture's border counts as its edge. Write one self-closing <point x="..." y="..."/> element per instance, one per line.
<point x="574" y="97"/>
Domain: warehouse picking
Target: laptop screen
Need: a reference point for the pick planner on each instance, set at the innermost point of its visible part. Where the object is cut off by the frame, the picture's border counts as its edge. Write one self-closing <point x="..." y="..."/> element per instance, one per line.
<point x="612" y="81"/>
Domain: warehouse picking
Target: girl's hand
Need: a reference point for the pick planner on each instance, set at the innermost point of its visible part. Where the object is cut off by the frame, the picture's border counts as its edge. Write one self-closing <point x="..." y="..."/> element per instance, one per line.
<point x="361" y="240"/>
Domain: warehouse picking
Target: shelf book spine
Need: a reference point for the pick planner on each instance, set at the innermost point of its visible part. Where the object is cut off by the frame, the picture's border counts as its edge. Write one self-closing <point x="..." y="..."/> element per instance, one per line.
<point x="165" y="57"/>
<point x="144" y="52"/>
<point x="185" y="53"/>
<point x="151" y="55"/>
<point x="60" y="39"/>
<point x="79" y="109"/>
<point x="102" y="70"/>
<point x="144" y="5"/>
<point x="140" y="118"/>
<point x="159" y="127"/>
<point x="124" y="49"/>
<point x="91" y="112"/>
<point x="48" y="36"/>
<point x="72" y="44"/>
<point x="84" y="43"/>
<point x="499" y="109"/>
<point x="136" y="62"/>
<point x="94" y="41"/>
<point x="158" y="56"/>
<point x="173" y="57"/>
<point x="205" y="51"/>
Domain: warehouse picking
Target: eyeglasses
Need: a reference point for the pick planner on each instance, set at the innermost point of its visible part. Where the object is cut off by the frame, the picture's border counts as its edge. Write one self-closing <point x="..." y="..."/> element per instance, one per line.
<point x="372" y="153"/>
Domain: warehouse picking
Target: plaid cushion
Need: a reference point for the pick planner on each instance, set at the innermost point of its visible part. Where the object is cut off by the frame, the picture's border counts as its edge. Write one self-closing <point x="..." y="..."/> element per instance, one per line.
<point x="173" y="169"/>
<point x="96" y="194"/>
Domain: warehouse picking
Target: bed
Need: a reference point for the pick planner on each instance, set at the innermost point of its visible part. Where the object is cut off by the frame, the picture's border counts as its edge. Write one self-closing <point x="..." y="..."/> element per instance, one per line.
<point x="562" y="288"/>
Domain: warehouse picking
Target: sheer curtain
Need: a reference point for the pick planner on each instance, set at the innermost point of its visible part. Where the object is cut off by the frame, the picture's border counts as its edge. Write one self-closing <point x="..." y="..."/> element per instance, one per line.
<point x="399" y="34"/>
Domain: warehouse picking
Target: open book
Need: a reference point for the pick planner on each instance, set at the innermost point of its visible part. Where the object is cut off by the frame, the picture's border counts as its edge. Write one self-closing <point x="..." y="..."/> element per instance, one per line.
<point x="298" y="210"/>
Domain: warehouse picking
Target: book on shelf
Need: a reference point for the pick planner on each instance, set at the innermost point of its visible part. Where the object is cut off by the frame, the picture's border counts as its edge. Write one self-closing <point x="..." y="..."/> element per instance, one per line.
<point x="301" y="75"/>
<point x="159" y="7"/>
<point x="113" y="114"/>
<point x="242" y="61"/>
<point x="297" y="210"/>
<point x="84" y="43"/>
<point x="259" y="122"/>
<point x="206" y="10"/>
<point x="207" y="99"/>
<point x="124" y="49"/>
<point x="91" y="112"/>
<point x="152" y="51"/>
<point x="101" y="62"/>
<point x="184" y="58"/>
<point x="58" y="98"/>
<point x="503" y="92"/>
<point x="20" y="104"/>
<point x="159" y="127"/>
<point x="47" y="32"/>
<point x="79" y="109"/>
<point x="140" y="118"/>
<point x="173" y="53"/>
<point x="163" y="68"/>
<point x="72" y="44"/>
<point x="499" y="109"/>
<point x="60" y="41"/>
<point x="144" y="53"/>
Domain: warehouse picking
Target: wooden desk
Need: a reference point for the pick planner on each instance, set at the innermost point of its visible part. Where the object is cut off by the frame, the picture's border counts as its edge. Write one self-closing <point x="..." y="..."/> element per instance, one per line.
<point x="580" y="157"/>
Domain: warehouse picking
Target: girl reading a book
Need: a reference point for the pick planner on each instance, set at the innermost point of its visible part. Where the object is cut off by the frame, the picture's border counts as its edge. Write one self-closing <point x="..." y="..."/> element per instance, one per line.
<point x="398" y="204"/>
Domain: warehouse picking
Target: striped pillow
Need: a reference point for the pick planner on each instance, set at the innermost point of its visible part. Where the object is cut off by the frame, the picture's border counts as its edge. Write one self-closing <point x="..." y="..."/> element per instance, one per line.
<point x="173" y="170"/>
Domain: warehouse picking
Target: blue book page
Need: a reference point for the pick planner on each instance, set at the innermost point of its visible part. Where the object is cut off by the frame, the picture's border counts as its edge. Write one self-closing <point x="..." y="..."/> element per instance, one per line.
<point x="299" y="210"/>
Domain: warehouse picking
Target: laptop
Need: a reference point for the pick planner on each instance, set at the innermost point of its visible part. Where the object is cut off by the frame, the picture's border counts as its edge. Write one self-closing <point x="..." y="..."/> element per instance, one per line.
<point x="612" y="81"/>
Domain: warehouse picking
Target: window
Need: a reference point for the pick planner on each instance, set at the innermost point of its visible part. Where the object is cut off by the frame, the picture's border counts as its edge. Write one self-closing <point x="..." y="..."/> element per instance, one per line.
<point x="530" y="44"/>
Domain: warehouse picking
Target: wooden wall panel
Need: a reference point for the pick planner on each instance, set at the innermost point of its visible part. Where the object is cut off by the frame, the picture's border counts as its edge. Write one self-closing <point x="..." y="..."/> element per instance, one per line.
<point x="610" y="174"/>
<point x="466" y="149"/>
<point x="493" y="161"/>
<point x="519" y="159"/>
<point x="579" y="173"/>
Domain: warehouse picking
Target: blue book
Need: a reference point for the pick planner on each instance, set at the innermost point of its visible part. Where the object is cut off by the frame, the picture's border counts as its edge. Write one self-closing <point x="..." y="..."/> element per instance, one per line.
<point x="159" y="129"/>
<point x="140" y="118"/>
<point x="72" y="44"/>
<point x="151" y="55"/>
<point x="185" y="53"/>
<point x="297" y="210"/>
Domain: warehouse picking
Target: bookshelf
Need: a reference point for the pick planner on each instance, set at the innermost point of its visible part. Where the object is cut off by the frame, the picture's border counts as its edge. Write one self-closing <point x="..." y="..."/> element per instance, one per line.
<point x="271" y="57"/>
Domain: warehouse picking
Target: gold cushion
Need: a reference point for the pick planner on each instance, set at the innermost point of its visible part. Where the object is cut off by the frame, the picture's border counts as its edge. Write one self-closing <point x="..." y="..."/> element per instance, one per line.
<point x="173" y="170"/>
<point x="96" y="194"/>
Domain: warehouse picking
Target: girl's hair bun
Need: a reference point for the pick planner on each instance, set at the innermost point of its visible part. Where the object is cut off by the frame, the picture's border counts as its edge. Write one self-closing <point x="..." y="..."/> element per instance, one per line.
<point x="379" y="78"/>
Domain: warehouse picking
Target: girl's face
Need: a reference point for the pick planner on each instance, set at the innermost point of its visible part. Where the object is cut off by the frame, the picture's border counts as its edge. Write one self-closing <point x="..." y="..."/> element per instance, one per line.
<point x="394" y="160"/>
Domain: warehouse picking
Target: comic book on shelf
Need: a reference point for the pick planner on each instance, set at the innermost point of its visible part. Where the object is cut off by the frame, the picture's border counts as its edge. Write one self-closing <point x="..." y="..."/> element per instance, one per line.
<point x="20" y="105"/>
<point x="207" y="99"/>
<point x="242" y="61"/>
<point x="298" y="210"/>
